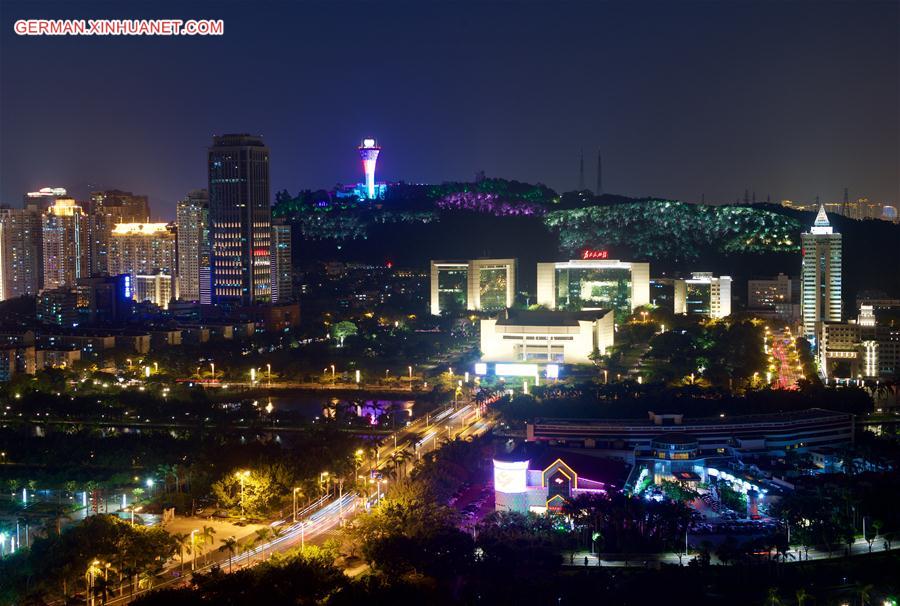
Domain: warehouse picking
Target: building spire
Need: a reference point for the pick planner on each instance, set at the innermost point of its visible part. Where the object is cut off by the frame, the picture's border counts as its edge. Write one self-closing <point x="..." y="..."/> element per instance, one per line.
<point x="822" y="218"/>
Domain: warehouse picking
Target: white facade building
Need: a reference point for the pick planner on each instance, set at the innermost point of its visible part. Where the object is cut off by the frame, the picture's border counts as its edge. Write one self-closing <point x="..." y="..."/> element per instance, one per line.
<point x="820" y="275"/>
<point x="546" y="336"/>
<point x="707" y="295"/>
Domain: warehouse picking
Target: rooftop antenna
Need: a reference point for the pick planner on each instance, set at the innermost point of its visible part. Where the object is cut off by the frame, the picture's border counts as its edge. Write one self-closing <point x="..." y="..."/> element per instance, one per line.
<point x="599" y="174"/>
<point x="581" y="171"/>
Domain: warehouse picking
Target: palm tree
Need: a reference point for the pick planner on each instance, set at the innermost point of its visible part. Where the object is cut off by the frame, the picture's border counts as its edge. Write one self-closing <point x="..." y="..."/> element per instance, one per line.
<point x="207" y="535"/>
<point x="802" y="595"/>
<point x="773" y="599"/>
<point x="182" y="539"/>
<point x="865" y="592"/>
<point x="230" y="546"/>
<point x="262" y="536"/>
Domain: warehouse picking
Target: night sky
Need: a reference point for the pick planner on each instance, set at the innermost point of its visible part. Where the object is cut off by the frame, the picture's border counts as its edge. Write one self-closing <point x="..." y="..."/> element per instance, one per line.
<point x="793" y="99"/>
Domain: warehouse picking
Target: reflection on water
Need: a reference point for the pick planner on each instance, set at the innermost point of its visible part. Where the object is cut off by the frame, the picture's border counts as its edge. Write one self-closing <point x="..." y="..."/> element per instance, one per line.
<point x="376" y="412"/>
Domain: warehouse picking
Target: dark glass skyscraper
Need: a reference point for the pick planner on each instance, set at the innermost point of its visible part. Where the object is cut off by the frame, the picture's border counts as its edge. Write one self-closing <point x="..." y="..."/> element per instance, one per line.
<point x="239" y="220"/>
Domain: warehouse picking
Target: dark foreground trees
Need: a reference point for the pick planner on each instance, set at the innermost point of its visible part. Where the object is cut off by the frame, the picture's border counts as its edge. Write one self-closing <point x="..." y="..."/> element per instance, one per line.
<point x="102" y="555"/>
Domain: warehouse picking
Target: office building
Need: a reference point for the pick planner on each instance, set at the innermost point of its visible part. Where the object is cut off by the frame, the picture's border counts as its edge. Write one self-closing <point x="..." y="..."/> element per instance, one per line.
<point x="64" y="253"/>
<point x="21" y="252"/>
<point x="594" y="283"/>
<point x="58" y="306"/>
<point x="706" y="295"/>
<point x="556" y="337"/>
<point x="668" y="293"/>
<point x="868" y="347"/>
<point x="282" y="277"/>
<point x="767" y="293"/>
<point x="108" y="209"/>
<point x="777" y="298"/>
<point x="158" y="288"/>
<point x="476" y="285"/>
<point x="820" y="275"/>
<point x="142" y="249"/>
<point x="104" y="299"/>
<point x="192" y="221"/>
<point x="240" y="220"/>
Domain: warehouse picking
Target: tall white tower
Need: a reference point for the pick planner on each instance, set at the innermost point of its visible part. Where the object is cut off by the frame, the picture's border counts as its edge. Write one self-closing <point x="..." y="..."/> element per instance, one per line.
<point x="820" y="279"/>
<point x="368" y="151"/>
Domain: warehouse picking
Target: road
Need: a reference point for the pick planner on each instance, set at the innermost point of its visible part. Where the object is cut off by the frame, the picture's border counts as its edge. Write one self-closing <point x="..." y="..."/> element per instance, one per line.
<point x="783" y="355"/>
<point x="419" y="437"/>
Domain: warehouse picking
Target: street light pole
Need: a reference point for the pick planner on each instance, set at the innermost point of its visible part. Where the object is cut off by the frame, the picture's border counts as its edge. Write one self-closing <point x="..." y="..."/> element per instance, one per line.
<point x="241" y="475"/>
<point x="295" y="503"/>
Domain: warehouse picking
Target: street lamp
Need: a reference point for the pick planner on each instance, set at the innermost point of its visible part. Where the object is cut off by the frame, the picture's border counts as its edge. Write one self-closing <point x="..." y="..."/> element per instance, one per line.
<point x="332" y="375"/>
<point x="242" y="475"/>
<point x="323" y="478"/>
<point x="193" y="549"/>
<point x="357" y="460"/>
<point x="295" y="502"/>
<point x="212" y="366"/>
<point x="269" y="374"/>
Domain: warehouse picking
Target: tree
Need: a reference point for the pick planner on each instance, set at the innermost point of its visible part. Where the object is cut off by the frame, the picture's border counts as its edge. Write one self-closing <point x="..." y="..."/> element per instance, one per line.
<point x="342" y="330"/>
<point x="229" y="546"/>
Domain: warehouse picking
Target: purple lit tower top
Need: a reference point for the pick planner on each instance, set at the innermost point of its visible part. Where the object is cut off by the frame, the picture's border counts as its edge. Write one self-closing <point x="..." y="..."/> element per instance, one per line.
<point x="368" y="151"/>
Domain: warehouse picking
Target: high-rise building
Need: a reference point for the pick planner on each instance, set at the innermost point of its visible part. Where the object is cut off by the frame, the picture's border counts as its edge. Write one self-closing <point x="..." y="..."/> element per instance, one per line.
<point x="282" y="279"/>
<point x="240" y="220"/>
<point x="63" y="233"/>
<point x="21" y="252"/>
<point x="820" y="275"/>
<point x="478" y="285"/>
<point x="108" y="209"/>
<point x="41" y="200"/>
<point x="368" y="152"/>
<point x="192" y="220"/>
<point x="141" y="249"/>
<point x="594" y="282"/>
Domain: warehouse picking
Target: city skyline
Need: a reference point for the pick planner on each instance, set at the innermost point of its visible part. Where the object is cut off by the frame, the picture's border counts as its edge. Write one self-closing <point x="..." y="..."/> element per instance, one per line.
<point x="673" y="119"/>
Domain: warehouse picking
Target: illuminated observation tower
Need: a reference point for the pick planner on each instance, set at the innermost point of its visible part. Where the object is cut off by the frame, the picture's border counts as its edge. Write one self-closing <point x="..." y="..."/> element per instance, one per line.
<point x="368" y="151"/>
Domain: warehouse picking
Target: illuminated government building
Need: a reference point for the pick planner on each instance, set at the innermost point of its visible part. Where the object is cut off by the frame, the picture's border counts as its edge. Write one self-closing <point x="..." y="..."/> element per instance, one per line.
<point x="478" y="285"/>
<point x="594" y="283"/>
<point x="542" y="336"/>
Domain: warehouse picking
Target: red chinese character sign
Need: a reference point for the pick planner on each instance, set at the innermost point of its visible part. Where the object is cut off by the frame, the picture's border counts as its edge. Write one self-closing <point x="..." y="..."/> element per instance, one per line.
<point x="589" y="253"/>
